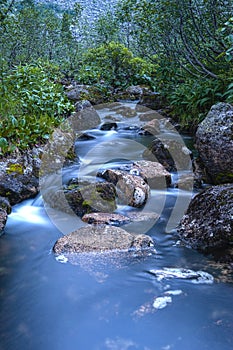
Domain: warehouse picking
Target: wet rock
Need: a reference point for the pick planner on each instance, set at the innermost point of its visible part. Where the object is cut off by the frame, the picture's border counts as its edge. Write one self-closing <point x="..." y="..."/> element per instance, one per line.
<point x="108" y="126"/>
<point x="98" y="239"/>
<point x="151" y="128"/>
<point x="186" y="182"/>
<point x="132" y="190"/>
<point x="149" y="116"/>
<point x="153" y="173"/>
<point x="99" y="197"/>
<point x="152" y="100"/>
<point x="125" y="111"/>
<point x="3" y="219"/>
<point x="19" y="177"/>
<point x="77" y="92"/>
<point x="81" y="105"/>
<point x="86" y="119"/>
<point x="85" y="137"/>
<point x="196" y="277"/>
<point x="135" y="90"/>
<point x="18" y="188"/>
<point x="142" y="216"/>
<point x="171" y="153"/>
<point x="214" y="143"/>
<point x="5" y="204"/>
<point x="105" y="218"/>
<point x="58" y="152"/>
<point x="208" y="222"/>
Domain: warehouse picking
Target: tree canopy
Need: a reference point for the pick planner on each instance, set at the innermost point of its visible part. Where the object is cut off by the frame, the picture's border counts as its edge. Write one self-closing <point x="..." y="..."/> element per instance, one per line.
<point x="183" y="49"/>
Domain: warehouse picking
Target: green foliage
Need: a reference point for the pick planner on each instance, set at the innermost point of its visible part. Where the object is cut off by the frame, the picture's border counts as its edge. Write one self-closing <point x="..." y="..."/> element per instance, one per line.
<point x="114" y="65"/>
<point x="191" y="100"/>
<point x="31" y="105"/>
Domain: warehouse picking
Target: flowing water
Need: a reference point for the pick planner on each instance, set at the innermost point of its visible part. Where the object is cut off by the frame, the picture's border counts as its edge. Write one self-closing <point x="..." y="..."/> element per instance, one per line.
<point x="110" y="301"/>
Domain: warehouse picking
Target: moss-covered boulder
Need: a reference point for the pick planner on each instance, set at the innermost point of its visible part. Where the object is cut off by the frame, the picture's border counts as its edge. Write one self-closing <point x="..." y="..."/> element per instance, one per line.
<point x="82" y="199"/>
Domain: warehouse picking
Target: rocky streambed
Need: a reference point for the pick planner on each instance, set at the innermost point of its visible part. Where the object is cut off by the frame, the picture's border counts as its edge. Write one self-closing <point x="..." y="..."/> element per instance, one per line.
<point x="164" y="162"/>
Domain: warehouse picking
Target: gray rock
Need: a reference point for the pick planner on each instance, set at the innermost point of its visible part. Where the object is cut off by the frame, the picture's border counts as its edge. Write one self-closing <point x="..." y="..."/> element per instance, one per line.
<point x="136" y="216"/>
<point x="81" y="105"/>
<point x="208" y="222"/>
<point x="135" y="90"/>
<point x="58" y="151"/>
<point x="153" y="173"/>
<point x="105" y="218"/>
<point x="108" y="126"/>
<point x="171" y="153"/>
<point x="132" y="190"/>
<point x="5" y="204"/>
<point x="85" y="137"/>
<point x="149" y="115"/>
<point x="152" y="127"/>
<point x="18" y="187"/>
<point x="214" y="143"/>
<point x="87" y="118"/>
<point x="76" y="93"/>
<point x="93" y="238"/>
<point x="3" y="219"/>
<point x="125" y="111"/>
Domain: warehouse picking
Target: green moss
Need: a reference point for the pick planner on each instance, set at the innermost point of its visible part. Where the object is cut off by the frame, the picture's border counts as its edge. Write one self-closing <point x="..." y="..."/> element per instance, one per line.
<point x="223" y="178"/>
<point x="15" y="168"/>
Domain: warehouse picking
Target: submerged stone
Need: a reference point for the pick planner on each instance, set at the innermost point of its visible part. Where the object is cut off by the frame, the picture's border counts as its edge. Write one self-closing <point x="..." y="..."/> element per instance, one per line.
<point x="197" y="277"/>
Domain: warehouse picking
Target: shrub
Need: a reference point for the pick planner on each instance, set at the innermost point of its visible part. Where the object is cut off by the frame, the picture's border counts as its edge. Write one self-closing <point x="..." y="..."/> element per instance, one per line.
<point x="114" y="65"/>
<point x="31" y="105"/>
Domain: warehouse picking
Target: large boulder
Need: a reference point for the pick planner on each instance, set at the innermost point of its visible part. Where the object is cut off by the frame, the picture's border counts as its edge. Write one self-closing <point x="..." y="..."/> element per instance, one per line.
<point x="59" y="150"/>
<point x="86" y="118"/>
<point x="77" y="92"/>
<point x="82" y="199"/>
<point x="214" y="143"/>
<point x="95" y="95"/>
<point x="94" y="238"/>
<point x="132" y="190"/>
<point x="208" y="222"/>
<point x="153" y="173"/>
<point x="171" y="153"/>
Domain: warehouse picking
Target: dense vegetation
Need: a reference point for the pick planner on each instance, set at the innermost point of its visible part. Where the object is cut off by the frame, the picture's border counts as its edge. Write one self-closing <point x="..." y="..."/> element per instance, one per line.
<point x="182" y="49"/>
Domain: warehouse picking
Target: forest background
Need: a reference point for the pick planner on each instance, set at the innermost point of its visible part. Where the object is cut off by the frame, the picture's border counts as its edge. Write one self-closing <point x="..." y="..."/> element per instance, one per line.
<point x="181" y="49"/>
